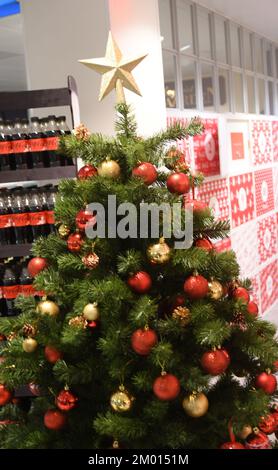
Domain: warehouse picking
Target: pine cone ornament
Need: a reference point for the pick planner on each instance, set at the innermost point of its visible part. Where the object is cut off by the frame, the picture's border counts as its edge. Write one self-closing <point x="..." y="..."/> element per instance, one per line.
<point x="182" y="314"/>
<point x="29" y="330"/>
<point x="81" y="132"/>
<point x="91" y="261"/>
<point x="78" y="322"/>
<point x="239" y="321"/>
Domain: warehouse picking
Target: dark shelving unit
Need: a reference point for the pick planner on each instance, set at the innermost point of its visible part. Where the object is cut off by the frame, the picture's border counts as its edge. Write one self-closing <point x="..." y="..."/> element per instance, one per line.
<point x="8" y="251"/>
<point x="38" y="174"/>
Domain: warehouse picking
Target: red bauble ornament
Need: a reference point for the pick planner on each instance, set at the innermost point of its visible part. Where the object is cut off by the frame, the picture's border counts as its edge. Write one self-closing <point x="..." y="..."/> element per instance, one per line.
<point x="253" y="309"/>
<point x="85" y="219"/>
<point x="87" y="171"/>
<point x="178" y="301"/>
<point x="34" y="389"/>
<point x="143" y="340"/>
<point x="140" y="282"/>
<point x="5" y="395"/>
<point x="75" y="242"/>
<point x="268" y="424"/>
<point x="267" y="382"/>
<point x="178" y="183"/>
<point x="275" y="365"/>
<point x="198" y="206"/>
<point x="2" y="337"/>
<point x="204" y="243"/>
<point x="215" y="362"/>
<point x="241" y="293"/>
<point x="232" y="444"/>
<point x="36" y="265"/>
<point x="196" y="287"/>
<point x="257" y="440"/>
<point x="52" y="354"/>
<point x="66" y="400"/>
<point x="166" y="387"/>
<point x="54" y="420"/>
<point x="146" y="171"/>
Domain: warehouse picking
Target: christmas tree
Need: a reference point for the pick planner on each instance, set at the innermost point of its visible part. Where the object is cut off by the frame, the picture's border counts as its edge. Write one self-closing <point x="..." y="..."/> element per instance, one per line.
<point x="137" y="343"/>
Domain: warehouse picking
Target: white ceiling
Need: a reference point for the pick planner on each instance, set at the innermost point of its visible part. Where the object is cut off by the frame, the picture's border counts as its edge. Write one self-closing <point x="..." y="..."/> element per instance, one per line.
<point x="260" y="16"/>
<point x="12" y="62"/>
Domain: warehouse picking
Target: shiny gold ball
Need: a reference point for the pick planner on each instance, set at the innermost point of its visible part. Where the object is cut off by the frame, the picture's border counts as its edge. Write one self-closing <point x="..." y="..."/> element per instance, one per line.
<point x="121" y="401"/>
<point x="215" y="290"/>
<point x="64" y="231"/>
<point x="195" y="405"/>
<point x="91" y="312"/>
<point x="29" y="345"/>
<point x="109" y="169"/>
<point x="182" y="314"/>
<point x="246" y="430"/>
<point x="47" y="307"/>
<point x="159" y="253"/>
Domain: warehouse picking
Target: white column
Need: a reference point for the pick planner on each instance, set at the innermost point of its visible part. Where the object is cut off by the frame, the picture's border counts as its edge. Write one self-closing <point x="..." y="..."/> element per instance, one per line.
<point x="56" y="34"/>
<point x="135" y="27"/>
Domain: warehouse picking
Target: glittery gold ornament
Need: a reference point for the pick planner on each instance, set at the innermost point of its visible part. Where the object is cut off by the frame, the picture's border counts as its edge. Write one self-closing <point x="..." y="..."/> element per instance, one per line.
<point x="91" y="260"/>
<point x="109" y="169"/>
<point x="246" y="430"/>
<point x="159" y="253"/>
<point x="215" y="290"/>
<point x="11" y="336"/>
<point x="29" y="345"/>
<point x="48" y="307"/>
<point x="195" y="405"/>
<point x="91" y="312"/>
<point x="121" y="400"/>
<point x="63" y="231"/>
<point x="78" y="322"/>
<point x="182" y="314"/>
<point x="81" y="132"/>
<point x="28" y="330"/>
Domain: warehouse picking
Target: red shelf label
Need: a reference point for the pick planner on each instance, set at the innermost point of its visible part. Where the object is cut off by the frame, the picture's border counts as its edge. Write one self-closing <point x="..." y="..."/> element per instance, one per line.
<point x="37" y="218"/>
<point x="5" y="147"/>
<point x="20" y="220"/>
<point x="10" y="292"/>
<point x="5" y="221"/>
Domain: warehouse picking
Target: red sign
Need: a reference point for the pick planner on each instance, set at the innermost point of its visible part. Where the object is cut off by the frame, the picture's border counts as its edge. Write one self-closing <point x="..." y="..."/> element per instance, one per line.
<point x="206" y="149"/>
<point x="237" y="142"/>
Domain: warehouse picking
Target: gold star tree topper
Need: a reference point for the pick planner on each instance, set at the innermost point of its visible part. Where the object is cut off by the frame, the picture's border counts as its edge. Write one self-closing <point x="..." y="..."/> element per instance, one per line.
<point x="115" y="70"/>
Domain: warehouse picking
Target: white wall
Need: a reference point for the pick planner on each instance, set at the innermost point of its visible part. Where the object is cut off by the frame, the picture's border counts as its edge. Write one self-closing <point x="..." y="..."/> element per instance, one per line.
<point x="59" y="32"/>
<point x="135" y="26"/>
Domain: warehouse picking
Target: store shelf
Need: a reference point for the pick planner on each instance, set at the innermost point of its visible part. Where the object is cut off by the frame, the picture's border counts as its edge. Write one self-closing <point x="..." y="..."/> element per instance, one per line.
<point x="8" y="251"/>
<point x="38" y="174"/>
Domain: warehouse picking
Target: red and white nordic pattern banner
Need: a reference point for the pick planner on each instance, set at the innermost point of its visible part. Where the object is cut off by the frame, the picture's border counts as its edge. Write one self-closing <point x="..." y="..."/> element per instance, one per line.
<point x="264" y="191"/>
<point x="216" y="194"/>
<point x="249" y="199"/>
<point x="242" y="199"/>
<point x="261" y="142"/>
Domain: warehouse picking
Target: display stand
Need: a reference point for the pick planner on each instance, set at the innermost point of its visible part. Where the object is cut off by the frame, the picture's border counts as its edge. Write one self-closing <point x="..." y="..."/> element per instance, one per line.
<point x="34" y="99"/>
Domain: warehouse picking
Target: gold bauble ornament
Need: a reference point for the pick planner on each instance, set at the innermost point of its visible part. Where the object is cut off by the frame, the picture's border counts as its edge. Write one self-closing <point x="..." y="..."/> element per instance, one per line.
<point x="215" y="290"/>
<point x="109" y="169"/>
<point x="63" y="231"/>
<point x="91" y="312"/>
<point x="121" y="400"/>
<point x="47" y="307"/>
<point x="195" y="405"/>
<point x="246" y="430"/>
<point x="159" y="253"/>
<point x="78" y="322"/>
<point x="29" y="345"/>
<point x="182" y="314"/>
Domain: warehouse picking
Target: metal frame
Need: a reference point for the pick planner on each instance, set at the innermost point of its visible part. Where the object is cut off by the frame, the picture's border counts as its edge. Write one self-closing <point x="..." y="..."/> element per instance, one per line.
<point x="217" y="65"/>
